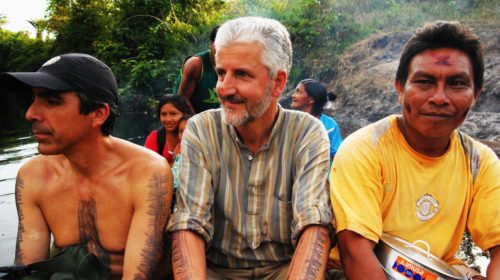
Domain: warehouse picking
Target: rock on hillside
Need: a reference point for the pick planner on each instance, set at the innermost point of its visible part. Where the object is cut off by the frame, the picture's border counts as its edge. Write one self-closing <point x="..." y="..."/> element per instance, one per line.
<point x="364" y="85"/>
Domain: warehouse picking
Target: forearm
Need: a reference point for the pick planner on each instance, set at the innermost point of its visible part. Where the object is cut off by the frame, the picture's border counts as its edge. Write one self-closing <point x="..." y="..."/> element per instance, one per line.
<point x="189" y="106"/>
<point x="311" y="255"/>
<point x="357" y="256"/>
<point x="493" y="271"/>
<point x="186" y="90"/>
<point x="188" y="255"/>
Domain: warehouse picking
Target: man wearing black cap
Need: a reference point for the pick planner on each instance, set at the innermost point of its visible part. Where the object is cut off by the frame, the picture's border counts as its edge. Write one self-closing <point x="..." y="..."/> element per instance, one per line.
<point x="91" y="191"/>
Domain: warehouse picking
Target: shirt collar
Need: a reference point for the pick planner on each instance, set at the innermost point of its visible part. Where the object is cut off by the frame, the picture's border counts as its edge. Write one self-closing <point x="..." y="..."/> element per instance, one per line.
<point x="276" y="127"/>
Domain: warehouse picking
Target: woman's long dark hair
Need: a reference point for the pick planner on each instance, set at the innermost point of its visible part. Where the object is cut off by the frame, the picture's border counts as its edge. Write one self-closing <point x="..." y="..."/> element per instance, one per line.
<point x="317" y="91"/>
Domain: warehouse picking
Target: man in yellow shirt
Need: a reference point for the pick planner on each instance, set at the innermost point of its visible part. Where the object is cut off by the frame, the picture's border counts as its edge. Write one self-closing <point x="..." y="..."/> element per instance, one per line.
<point x="414" y="175"/>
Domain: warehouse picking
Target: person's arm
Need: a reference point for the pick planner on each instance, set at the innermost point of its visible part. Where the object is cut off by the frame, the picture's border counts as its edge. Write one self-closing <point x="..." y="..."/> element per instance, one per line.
<point x="493" y="271"/>
<point x="188" y="255"/>
<point x="191" y="73"/>
<point x="33" y="236"/>
<point x="311" y="255"/>
<point x="357" y="256"/>
<point x="144" y="249"/>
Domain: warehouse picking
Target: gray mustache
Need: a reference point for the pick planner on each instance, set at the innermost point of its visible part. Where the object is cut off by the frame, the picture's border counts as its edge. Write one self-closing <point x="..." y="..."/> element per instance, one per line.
<point x="234" y="99"/>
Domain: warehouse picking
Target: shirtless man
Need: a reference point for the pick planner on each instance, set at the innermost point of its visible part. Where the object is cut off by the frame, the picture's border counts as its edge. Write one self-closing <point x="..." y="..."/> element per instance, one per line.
<point x="87" y="188"/>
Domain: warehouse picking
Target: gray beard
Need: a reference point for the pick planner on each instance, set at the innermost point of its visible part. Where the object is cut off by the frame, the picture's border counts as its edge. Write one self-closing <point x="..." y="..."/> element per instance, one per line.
<point x="250" y="113"/>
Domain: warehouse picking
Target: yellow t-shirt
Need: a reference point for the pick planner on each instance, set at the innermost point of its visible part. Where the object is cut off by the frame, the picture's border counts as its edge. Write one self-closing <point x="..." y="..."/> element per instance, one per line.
<point x="380" y="184"/>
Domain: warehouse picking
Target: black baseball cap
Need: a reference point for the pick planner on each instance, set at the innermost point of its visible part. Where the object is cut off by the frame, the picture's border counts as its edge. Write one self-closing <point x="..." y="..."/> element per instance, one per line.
<point x="68" y="72"/>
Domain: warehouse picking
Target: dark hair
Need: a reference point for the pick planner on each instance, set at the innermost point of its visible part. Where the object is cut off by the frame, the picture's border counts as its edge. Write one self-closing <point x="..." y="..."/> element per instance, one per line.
<point x="443" y="34"/>
<point x="185" y="117"/>
<point x="89" y="104"/>
<point x="317" y="91"/>
<point x="213" y="33"/>
<point x="175" y="100"/>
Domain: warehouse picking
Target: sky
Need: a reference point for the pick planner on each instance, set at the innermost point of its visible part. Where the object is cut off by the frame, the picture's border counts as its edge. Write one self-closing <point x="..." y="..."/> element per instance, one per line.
<point x="18" y="12"/>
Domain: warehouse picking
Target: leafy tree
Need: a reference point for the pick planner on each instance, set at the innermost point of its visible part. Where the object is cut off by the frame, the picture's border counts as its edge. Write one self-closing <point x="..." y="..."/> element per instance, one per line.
<point x="151" y="38"/>
<point x="319" y="32"/>
<point x="78" y="24"/>
<point x="40" y="26"/>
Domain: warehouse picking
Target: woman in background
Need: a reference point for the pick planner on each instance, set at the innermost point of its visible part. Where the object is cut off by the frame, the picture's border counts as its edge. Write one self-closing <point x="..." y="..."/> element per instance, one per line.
<point x="310" y="96"/>
<point x="164" y="140"/>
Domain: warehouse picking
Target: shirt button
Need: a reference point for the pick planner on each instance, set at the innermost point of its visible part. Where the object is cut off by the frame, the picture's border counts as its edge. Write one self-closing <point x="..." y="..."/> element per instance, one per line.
<point x="175" y="209"/>
<point x="321" y="204"/>
<point x="250" y="157"/>
<point x="254" y="190"/>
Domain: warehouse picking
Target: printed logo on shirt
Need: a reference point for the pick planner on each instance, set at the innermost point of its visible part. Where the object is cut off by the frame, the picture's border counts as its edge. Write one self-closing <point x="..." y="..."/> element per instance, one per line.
<point x="411" y="271"/>
<point x="213" y="97"/>
<point x="427" y="207"/>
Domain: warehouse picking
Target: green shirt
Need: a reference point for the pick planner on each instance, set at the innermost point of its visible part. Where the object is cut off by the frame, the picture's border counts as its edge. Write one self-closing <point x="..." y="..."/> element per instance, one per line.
<point x="204" y="96"/>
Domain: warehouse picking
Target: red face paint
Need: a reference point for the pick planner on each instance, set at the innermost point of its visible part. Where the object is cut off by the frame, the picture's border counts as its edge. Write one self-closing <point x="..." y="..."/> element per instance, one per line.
<point x="442" y="59"/>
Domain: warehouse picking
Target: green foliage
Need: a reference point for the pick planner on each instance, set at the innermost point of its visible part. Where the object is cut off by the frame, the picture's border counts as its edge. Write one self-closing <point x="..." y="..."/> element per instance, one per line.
<point x="151" y="39"/>
<point x="78" y="24"/>
<point x="319" y="32"/>
<point x="19" y="52"/>
<point x="145" y="41"/>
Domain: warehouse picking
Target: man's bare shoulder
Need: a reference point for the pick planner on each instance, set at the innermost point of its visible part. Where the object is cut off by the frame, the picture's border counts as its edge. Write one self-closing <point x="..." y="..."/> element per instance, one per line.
<point x="194" y="61"/>
<point x="193" y="66"/>
<point x="43" y="166"/>
<point x="138" y="154"/>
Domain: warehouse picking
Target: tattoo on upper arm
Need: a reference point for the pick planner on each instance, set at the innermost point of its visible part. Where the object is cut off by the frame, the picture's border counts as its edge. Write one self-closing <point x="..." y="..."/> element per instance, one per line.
<point x="313" y="266"/>
<point x="20" y="228"/>
<point x="89" y="237"/>
<point x="158" y="212"/>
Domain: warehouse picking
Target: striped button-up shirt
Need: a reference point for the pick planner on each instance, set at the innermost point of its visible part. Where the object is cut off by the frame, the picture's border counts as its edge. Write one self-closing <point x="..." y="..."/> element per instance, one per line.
<point x="250" y="209"/>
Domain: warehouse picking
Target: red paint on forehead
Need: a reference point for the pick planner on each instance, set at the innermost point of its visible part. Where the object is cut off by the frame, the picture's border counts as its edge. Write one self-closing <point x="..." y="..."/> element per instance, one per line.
<point x="442" y="59"/>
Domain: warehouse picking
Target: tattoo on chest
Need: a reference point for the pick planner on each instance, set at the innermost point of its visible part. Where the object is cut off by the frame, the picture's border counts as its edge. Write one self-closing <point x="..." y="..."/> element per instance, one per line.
<point x="89" y="237"/>
<point x="20" y="228"/>
<point x="158" y="211"/>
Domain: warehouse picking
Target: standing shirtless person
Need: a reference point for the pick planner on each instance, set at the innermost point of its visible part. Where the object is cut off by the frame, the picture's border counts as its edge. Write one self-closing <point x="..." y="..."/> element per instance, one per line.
<point x="88" y="189"/>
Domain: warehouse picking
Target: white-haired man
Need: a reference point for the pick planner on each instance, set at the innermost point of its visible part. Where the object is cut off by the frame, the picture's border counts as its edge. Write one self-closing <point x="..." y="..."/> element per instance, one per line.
<point x="252" y="200"/>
